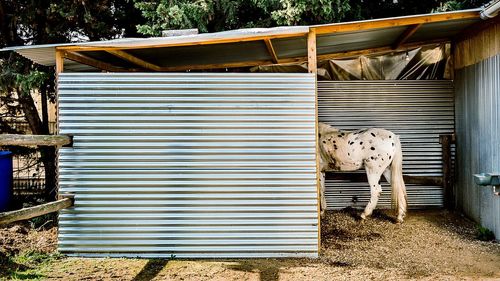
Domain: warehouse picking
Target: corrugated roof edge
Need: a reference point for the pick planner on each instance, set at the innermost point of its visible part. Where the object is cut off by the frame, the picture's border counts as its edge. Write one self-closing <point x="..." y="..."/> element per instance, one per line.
<point x="125" y="42"/>
<point x="45" y="54"/>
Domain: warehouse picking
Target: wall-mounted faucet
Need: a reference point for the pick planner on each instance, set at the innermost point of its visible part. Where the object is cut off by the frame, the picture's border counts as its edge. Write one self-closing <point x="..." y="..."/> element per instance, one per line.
<point x="485" y="179"/>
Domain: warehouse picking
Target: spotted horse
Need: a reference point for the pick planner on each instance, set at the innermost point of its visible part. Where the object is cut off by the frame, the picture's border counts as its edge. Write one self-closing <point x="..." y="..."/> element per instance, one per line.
<point x="377" y="150"/>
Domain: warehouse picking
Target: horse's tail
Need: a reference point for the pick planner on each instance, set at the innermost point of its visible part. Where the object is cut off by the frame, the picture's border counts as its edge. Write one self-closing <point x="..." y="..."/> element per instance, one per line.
<point x="397" y="182"/>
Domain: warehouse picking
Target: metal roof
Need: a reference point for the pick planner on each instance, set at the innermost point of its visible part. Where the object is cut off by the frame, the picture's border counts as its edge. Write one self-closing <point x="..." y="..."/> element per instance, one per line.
<point x="247" y="47"/>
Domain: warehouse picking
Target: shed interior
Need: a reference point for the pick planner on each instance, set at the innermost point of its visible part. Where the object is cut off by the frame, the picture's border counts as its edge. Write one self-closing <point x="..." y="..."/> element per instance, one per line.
<point x="285" y="49"/>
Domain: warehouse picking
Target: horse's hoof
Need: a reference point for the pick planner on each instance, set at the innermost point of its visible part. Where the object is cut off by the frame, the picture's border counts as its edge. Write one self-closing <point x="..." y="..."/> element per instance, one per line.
<point x="399" y="220"/>
<point x="363" y="217"/>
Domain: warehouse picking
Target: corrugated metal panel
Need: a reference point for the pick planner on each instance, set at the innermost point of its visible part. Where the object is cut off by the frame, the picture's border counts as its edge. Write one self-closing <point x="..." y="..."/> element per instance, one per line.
<point x="195" y="165"/>
<point x="478" y="139"/>
<point x="418" y="111"/>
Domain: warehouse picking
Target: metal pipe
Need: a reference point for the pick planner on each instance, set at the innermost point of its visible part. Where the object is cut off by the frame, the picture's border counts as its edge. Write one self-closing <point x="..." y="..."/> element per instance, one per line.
<point x="490" y="10"/>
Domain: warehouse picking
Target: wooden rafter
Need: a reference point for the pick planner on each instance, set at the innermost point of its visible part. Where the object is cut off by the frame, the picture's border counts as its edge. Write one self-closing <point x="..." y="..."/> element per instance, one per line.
<point x="84" y="59"/>
<point x="270" y="49"/>
<point x="403" y="21"/>
<point x="135" y="60"/>
<point x="410" y="30"/>
<point x="372" y="51"/>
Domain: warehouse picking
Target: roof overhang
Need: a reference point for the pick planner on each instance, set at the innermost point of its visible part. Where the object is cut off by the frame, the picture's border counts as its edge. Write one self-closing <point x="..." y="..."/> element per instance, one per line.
<point x="251" y="47"/>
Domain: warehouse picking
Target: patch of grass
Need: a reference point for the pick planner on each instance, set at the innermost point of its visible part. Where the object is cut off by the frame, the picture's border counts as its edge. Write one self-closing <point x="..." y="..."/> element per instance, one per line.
<point x="484" y="234"/>
<point x="29" y="265"/>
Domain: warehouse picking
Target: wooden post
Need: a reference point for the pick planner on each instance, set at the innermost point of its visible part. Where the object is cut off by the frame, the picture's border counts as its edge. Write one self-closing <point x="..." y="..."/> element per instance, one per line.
<point x="36" y="211"/>
<point x="59" y="61"/>
<point x="312" y="66"/>
<point x="446" y="141"/>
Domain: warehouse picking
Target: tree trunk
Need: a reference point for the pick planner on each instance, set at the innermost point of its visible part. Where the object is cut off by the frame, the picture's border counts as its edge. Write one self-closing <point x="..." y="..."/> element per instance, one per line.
<point x="48" y="153"/>
<point x="49" y="162"/>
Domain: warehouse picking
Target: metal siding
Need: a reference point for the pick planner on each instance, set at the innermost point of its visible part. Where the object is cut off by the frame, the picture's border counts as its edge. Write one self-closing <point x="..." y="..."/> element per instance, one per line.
<point x="418" y="111"/>
<point x="478" y="139"/>
<point x="189" y="164"/>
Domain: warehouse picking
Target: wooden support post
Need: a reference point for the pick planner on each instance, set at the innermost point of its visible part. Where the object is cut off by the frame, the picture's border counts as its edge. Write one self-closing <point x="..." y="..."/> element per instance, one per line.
<point x="33" y="140"/>
<point x="59" y="62"/>
<point x="446" y="141"/>
<point x="36" y="211"/>
<point x="312" y="63"/>
<point x="313" y="68"/>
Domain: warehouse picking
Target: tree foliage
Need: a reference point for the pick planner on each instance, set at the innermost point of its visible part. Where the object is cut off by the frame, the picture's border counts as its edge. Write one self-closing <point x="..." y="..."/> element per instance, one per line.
<point x="26" y="22"/>
<point x="219" y="15"/>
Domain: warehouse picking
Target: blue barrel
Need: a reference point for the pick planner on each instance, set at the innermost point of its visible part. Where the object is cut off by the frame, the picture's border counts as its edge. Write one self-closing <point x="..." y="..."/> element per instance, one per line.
<point x="5" y="180"/>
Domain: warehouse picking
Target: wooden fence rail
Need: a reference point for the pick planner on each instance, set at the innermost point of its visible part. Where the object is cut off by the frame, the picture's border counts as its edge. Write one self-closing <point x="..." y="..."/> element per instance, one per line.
<point x="34" y="140"/>
<point x="36" y="211"/>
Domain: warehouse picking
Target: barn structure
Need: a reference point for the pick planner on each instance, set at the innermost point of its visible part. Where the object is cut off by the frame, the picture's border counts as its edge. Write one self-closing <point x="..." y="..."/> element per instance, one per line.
<point x="180" y="150"/>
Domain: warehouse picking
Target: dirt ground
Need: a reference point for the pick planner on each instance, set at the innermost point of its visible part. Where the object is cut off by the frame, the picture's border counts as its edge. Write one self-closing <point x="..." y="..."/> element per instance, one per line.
<point x="430" y="245"/>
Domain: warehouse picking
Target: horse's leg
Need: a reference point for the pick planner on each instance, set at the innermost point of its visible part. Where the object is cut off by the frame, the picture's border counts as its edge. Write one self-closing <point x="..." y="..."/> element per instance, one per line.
<point x="375" y="190"/>
<point x="322" y="193"/>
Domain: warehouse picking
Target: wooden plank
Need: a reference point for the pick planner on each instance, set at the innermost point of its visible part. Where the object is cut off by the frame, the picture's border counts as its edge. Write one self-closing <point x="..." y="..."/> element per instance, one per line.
<point x="312" y="65"/>
<point x="83" y="59"/>
<point x="36" y="211"/>
<point x="406" y="35"/>
<point x="270" y="49"/>
<point x="135" y="60"/>
<point x="392" y="22"/>
<point x="33" y="140"/>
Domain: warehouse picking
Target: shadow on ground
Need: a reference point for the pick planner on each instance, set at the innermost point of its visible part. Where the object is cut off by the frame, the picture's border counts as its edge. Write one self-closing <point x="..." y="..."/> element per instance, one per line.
<point x="151" y="269"/>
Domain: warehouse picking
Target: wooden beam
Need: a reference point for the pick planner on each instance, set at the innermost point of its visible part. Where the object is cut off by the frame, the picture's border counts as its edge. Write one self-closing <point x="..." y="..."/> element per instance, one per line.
<point x="312" y="65"/>
<point x="36" y="211"/>
<point x="392" y="22"/>
<point x="270" y="49"/>
<point x="135" y="60"/>
<point x="33" y="140"/>
<point x="84" y="59"/>
<point x="192" y="42"/>
<point x="409" y="31"/>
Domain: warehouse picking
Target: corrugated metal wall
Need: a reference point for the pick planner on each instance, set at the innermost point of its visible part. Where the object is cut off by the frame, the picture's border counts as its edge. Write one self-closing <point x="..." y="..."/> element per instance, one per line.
<point x="478" y="139"/>
<point x="189" y="164"/>
<point x="418" y="111"/>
